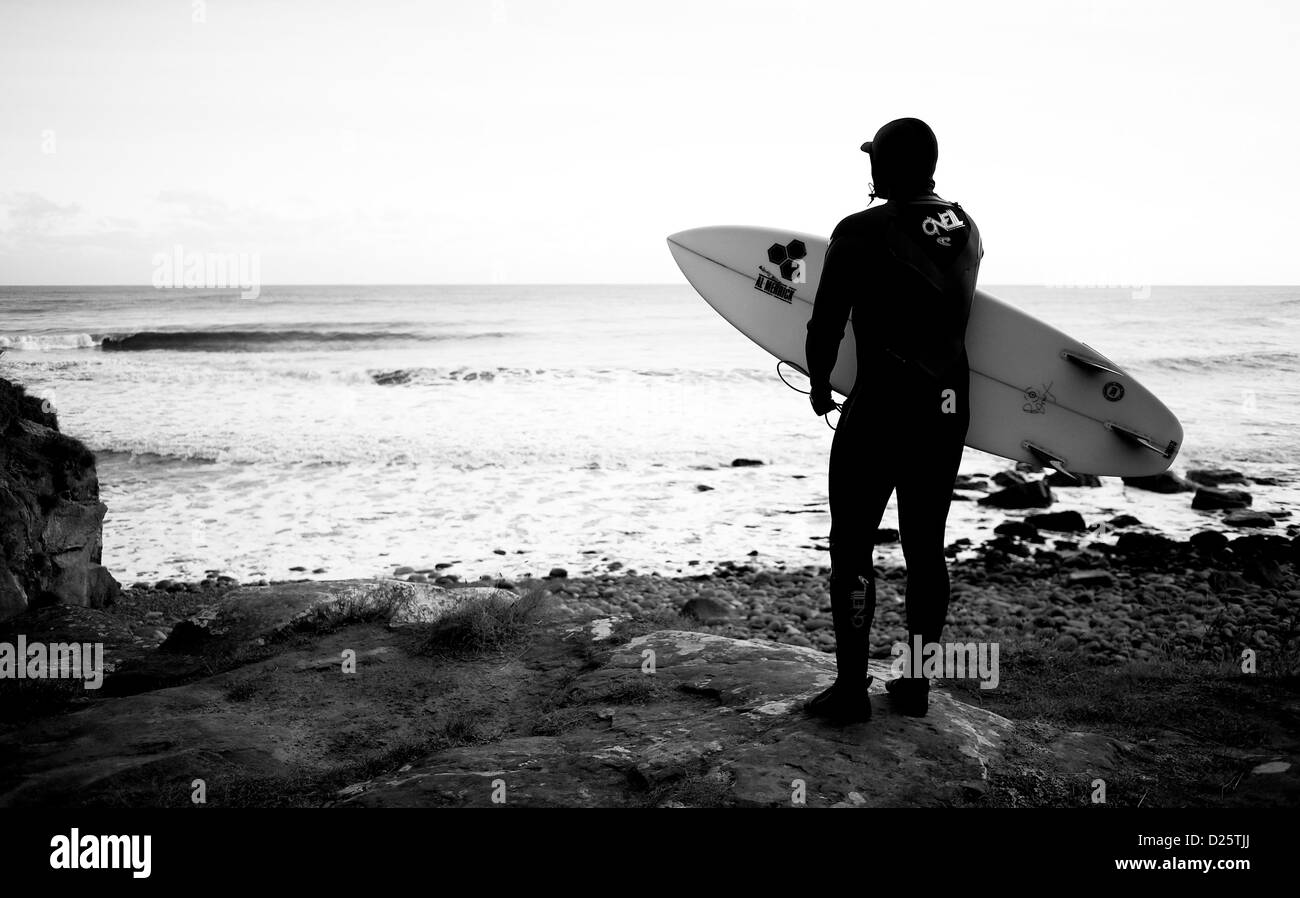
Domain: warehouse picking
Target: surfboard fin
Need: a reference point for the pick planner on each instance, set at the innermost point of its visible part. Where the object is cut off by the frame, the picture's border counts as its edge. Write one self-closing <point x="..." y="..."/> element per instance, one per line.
<point x="1141" y="439"/>
<point x="1048" y="458"/>
<point x="1088" y="363"/>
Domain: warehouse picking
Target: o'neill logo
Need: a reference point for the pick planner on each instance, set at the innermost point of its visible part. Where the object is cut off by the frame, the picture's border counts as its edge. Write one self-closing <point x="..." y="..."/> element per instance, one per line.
<point x="947" y="220"/>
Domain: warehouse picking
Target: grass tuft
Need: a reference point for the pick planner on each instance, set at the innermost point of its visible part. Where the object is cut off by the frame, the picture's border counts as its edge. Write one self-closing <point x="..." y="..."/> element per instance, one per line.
<point x="694" y="790"/>
<point x="483" y="625"/>
<point x="378" y="606"/>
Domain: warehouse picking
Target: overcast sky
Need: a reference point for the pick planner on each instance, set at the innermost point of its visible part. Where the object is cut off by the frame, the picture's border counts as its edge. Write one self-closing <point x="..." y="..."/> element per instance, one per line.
<point x="472" y="140"/>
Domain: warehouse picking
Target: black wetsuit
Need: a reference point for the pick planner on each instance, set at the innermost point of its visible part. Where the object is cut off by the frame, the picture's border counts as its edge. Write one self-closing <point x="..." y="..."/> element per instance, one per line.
<point x="906" y="271"/>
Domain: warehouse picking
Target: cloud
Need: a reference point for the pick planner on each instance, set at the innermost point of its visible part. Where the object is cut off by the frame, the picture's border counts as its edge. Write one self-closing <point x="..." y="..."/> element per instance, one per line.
<point x="196" y="207"/>
<point x="31" y="213"/>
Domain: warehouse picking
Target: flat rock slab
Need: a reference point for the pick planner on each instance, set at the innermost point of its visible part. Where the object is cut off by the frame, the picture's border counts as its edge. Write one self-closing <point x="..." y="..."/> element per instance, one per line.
<point x="252" y="615"/>
<point x="76" y="623"/>
<point x="285" y="719"/>
<point x="187" y="731"/>
<point x="716" y="714"/>
<point x="575" y="716"/>
<point x="225" y="633"/>
<point x="432" y="603"/>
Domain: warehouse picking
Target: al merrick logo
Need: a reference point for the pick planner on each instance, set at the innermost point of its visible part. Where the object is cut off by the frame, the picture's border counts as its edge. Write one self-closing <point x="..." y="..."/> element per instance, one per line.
<point x="789" y="259"/>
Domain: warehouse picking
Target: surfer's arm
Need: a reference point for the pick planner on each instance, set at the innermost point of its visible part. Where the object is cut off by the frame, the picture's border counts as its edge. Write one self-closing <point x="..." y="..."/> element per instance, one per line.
<point x="830" y="314"/>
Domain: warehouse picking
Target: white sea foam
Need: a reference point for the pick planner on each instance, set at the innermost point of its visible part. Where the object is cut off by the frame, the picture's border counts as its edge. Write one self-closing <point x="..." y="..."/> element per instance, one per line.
<point x="47" y="342"/>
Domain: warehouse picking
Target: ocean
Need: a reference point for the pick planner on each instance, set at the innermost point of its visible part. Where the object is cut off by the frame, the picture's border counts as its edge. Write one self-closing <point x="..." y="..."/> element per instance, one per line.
<point x="346" y="431"/>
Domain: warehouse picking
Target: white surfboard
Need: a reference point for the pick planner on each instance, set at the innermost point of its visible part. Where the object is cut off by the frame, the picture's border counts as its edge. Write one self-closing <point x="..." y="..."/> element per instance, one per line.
<point x="1037" y="394"/>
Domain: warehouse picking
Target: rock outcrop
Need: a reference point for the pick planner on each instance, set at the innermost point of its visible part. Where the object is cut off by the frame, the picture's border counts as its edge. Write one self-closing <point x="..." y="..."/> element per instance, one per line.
<point x="253" y="615"/>
<point x="573" y="718"/>
<point x="1059" y="521"/>
<point x="1209" y="497"/>
<point x="1164" y="482"/>
<point x="718" y="717"/>
<point x="1030" y="494"/>
<point x="50" y="514"/>
<point x="338" y="694"/>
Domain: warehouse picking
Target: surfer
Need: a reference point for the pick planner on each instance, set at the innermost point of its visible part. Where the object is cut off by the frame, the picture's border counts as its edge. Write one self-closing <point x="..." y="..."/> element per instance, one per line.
<point x="906" y="271"/>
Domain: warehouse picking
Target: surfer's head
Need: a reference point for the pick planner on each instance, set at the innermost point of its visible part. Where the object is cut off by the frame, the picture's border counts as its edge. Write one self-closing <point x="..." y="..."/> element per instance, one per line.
<point x="903" y="155"/>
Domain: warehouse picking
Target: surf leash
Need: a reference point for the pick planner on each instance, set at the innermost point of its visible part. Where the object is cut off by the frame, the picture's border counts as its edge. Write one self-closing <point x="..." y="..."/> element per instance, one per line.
<point x="839" y="406"/>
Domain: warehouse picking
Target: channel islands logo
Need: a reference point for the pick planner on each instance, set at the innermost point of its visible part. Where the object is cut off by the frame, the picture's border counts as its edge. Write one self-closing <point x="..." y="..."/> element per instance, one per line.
<point x="789" y="259"/>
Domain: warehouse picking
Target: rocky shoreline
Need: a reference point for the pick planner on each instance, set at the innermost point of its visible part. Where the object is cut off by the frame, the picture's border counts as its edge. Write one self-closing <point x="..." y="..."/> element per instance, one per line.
<point x="1133" y="599"/>
<point x="311" y="694"/>
<point x="242" y="683"/>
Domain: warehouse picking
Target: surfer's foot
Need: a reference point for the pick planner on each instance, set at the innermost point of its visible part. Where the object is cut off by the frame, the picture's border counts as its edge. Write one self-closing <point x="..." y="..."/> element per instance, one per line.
<point x="909" y="696"/>
<point x="842" y="704"/>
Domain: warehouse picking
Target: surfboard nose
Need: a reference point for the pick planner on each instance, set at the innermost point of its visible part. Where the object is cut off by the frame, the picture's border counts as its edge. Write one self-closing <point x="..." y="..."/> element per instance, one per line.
<point x="683" y="238"/>
<point x="682" y="244"/>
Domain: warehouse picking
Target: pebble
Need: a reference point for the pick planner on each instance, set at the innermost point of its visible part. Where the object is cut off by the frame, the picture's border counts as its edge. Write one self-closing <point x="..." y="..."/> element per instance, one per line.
<point x="1246" y="518"/>
<point x="706" y="609"/>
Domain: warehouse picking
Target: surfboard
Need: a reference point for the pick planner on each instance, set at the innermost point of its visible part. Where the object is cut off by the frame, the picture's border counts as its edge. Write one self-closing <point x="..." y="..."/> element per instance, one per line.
<point x="1037" y="394"/>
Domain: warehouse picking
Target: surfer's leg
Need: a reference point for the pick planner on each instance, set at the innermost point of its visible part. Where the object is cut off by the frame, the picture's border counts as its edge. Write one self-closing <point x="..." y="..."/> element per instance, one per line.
<point x="924" y="498"/>
<point x="860" y="483"/>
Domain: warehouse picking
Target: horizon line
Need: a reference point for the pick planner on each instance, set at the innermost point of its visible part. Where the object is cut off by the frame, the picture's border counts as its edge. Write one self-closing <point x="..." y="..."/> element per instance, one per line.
<point x="263" y="286"/>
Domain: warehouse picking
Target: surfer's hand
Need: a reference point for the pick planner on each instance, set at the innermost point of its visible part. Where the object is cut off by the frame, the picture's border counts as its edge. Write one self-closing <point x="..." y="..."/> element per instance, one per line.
<point x="822" y="402"/>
